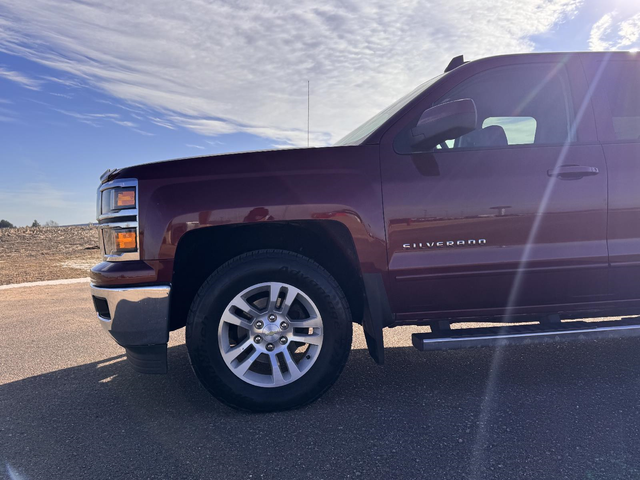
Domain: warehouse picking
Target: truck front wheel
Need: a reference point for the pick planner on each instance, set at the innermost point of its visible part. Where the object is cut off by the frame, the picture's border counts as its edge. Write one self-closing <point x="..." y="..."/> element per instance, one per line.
<point x="269" y="330"/>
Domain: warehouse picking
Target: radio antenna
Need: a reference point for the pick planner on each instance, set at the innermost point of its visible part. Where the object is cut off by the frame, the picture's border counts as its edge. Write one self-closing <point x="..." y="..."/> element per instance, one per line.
<point x="308" y="111"/>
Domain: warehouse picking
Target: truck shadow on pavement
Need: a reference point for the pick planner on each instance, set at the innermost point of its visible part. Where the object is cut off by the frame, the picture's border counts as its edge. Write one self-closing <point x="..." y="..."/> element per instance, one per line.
<point x="546" y="411"/>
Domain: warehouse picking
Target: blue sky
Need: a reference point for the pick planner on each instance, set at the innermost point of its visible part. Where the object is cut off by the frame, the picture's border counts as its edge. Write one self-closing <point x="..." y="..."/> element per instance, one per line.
<point x="85" y="86"/>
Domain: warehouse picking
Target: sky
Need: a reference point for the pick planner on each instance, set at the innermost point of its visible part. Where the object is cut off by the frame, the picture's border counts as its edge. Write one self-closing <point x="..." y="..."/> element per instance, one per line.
<point x="88" y="85"/>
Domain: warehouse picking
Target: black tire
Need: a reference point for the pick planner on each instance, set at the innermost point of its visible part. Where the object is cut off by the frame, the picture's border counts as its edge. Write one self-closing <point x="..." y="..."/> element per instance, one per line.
<point x="232" y="278"/>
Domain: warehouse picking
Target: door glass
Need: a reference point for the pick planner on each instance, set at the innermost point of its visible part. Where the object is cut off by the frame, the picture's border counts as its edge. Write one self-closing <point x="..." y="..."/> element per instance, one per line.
<point x="519" y="130"/>
<point x="517" y="105"/>
<point x="621" y="85"/>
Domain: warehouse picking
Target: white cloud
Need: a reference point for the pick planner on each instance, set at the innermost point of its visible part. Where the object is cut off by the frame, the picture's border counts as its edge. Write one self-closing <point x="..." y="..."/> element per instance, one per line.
<point x="600" y="30"/>
<point x="132" y="111"/>
<point x="194" y="146"/>
<point x="243" y="66"/>
<point x="205" y="126"/>
<point x="611" y="33"/>
<point x="159" y="121"/>
<point x="94" y="119"/>
<point x="67" y="82"/>
<point x="88" y="116"/>
<point x="629" y="31"/>
<point x="18" y="77"/>
<point x="64" y="95"/>
<point x="142" y="132"/>
<point x="124" y="123"/>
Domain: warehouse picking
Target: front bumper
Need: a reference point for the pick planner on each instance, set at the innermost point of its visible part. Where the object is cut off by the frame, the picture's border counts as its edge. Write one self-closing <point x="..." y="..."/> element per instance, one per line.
<point x="138" y="319"/>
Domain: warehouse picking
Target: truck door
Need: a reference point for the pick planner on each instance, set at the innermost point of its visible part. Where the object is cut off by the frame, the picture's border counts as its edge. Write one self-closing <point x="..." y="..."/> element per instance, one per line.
<point x="512" y="214"/>
<point x="616" y="78"/>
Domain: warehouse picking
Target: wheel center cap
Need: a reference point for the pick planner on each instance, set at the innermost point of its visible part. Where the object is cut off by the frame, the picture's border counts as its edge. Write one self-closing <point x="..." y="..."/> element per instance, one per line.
<point x="270" y="330"/>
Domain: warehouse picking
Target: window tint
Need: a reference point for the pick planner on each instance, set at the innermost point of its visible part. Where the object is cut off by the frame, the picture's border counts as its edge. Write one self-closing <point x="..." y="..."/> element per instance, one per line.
<point x="621" y="85"/>
<point x="517" y="105"/>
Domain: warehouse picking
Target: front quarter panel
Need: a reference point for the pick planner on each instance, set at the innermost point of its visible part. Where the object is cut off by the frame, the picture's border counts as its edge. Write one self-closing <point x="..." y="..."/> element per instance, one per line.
<point x="337" y="183"/>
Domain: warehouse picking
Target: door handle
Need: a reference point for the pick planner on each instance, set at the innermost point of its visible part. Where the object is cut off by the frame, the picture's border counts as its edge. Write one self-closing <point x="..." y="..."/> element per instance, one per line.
<point x="573" y="172"/>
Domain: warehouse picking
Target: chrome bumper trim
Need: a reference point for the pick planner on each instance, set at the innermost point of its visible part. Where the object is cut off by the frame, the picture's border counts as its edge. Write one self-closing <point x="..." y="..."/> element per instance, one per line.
<point x="138" y="315"/>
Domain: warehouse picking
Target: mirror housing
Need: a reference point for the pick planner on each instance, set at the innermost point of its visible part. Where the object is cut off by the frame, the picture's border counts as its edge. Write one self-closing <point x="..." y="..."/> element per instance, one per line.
<point x="444" y="122"/>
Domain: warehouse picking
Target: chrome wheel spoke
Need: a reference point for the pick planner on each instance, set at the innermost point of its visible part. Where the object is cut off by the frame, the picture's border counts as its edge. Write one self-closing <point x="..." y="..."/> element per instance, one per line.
<point x="312" y="339"/>
<point x="274" y="292"/>
<point x="294" y="371"/>
<point x="234" y="352"/>
<point x="242" y="367"/>
<point x="313" y="322"/>
<point x="241" y="304"/>
<point x="292" y="293"/>
<point x="233" y="319"/>
<point x="278" y="378"/>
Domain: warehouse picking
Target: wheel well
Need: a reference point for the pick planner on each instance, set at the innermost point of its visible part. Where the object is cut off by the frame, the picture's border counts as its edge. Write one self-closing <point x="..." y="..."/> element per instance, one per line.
<point x="200" y="252"/>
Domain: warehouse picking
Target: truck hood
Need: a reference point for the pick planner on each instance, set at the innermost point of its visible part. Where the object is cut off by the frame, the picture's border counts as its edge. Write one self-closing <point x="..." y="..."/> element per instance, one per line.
<point x="232" y="163"/>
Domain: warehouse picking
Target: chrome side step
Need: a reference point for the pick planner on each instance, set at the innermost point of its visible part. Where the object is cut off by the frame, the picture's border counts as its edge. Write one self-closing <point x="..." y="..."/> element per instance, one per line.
<point x="526" y="334"/>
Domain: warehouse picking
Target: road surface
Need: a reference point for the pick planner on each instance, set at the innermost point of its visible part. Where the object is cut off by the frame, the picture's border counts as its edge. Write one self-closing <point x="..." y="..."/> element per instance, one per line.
<point x="70" y="407"/>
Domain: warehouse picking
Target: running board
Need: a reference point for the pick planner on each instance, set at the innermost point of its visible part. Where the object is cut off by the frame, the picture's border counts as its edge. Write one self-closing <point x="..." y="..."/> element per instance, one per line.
<point x="526" y="334"/>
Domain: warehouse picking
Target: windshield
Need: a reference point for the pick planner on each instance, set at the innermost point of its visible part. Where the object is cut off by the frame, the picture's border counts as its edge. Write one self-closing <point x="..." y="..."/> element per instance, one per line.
<point x="367" y="128"/>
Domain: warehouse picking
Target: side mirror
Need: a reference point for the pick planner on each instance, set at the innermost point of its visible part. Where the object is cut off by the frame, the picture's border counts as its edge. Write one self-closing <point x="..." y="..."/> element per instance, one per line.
<point x="444" y="122"/>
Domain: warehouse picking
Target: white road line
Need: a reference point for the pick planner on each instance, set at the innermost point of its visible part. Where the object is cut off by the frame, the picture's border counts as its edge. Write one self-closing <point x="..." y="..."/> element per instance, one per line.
<point x="45" y="283"/>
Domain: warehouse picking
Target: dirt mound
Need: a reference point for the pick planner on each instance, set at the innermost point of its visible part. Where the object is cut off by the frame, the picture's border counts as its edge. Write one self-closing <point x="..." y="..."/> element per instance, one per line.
<point x="30" y="254"/>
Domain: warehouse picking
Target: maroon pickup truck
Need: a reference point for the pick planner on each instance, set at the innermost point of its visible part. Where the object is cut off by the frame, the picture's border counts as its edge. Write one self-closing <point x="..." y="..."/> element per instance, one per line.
<point x="505" y="189"/>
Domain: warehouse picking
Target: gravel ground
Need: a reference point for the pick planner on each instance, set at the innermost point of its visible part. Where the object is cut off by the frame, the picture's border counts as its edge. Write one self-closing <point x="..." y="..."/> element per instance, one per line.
<point x="47" y="253"/>
<point x="71" y="407"/>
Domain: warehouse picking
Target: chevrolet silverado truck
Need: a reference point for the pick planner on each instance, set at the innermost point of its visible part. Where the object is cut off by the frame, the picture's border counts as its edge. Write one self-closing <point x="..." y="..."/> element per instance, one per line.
<point x="504" y="190"/>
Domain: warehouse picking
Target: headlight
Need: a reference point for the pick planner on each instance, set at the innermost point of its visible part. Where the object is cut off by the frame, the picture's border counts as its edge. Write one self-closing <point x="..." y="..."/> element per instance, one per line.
<point x="116" y="199"/>
<point x="118" y="220"/>
<point x="124" y="198"/>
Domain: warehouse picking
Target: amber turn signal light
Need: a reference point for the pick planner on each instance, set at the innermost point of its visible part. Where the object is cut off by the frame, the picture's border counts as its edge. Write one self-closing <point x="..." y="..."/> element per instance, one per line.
<point x="126" y="240"/>
<point x="125" y="198"/>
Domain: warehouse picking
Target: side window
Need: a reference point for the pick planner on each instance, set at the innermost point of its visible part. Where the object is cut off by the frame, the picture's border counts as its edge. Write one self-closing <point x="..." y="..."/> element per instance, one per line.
<point x="620" y="84"/>
<point x="517" y="105"/>
<point x="519" y="130"/>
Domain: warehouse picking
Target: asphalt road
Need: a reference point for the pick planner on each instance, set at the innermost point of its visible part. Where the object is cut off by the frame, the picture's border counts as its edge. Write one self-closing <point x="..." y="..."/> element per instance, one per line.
<point x="70" y="407"/>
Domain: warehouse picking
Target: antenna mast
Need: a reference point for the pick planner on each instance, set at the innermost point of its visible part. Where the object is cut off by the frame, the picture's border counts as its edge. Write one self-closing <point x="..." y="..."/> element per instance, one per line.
<point x="308" y="111"/>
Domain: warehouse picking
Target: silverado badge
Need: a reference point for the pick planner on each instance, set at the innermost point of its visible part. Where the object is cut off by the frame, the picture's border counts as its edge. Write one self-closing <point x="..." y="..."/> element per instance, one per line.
<point x="448" y="243"/>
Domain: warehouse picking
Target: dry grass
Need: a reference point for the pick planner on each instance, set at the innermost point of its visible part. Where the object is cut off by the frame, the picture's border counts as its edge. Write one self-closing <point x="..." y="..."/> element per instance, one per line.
<point x="47" y="253"/>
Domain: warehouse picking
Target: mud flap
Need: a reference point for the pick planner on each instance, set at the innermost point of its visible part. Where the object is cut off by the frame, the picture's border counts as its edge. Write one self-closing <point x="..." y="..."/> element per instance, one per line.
<point x="377" y="309"/>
